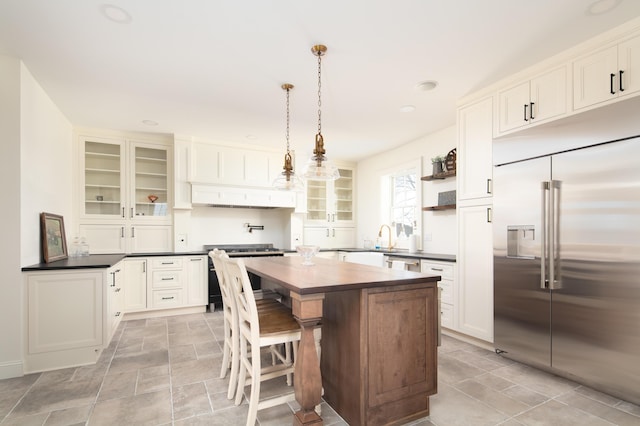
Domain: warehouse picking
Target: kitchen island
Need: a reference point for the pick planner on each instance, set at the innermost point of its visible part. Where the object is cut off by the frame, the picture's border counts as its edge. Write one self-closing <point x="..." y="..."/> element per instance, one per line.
<point x="379" y="332"/>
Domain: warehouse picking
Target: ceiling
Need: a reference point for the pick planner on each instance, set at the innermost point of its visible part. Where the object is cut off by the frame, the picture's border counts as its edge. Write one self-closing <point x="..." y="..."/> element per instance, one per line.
<point x="212" y="69"/>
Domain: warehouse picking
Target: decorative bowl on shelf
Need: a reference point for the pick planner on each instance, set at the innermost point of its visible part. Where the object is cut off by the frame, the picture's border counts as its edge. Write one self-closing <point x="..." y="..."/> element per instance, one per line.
<point x="307" y="252"/>
<point x="152" y="198"/>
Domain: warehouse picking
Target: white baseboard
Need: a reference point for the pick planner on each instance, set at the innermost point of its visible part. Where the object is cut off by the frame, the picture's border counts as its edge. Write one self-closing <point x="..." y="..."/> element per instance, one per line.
<point x="9" y="370"/>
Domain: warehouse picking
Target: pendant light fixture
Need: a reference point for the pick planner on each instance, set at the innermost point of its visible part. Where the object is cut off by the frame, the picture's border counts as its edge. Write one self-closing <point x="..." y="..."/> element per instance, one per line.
<point x="287" y="180"/>
<point x="319" y="167"/>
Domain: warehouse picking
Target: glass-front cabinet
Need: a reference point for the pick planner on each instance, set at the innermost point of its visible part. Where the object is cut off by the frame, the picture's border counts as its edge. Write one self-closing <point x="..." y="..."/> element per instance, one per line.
<point x="331" y="201"/>
<point x="125" y="191"/>
<point x="103" y="179"/>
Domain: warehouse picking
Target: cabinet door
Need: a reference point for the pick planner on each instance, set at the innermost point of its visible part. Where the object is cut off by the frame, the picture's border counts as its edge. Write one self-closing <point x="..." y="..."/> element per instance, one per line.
<point x="511" y="107"/>
<point x="592" y="78"/>
<point x="474" y="154"/>
<point x="629" y="63"/>
<point x="342" y="237"/>
<point x="104" y="238"/>
<point x="205" y="163"/>
<point x="115" y="283"/>
<point x="197" y="280"/>
<point x="317" y="203"/>
<point x="549" y="95"/>
<point x="475" y="272"/>
<point x="150" y="238"/>
<point x="316" y="237"/>
<point x="135" y="284"/>
<point x="342" y="211"/>
<point x="149" y="180"/>
<point x="102" y="178"/>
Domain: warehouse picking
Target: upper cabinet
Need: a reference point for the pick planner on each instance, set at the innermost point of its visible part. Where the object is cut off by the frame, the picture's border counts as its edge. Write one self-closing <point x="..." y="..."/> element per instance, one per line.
<point x="474" y="153"/>
<point x="241" y="166"/>
<point x="534" y="101"/>
<point x="124" y="180"/>
<point x="331" y="202"/>
<point x="608" y="74"/>
<point x="124" y="195"/>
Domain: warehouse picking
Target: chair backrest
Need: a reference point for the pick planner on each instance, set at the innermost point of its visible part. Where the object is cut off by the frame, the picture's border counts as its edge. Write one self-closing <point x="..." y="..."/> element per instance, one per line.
<point x="240" y="286"/>
<point x="218" y="257"/>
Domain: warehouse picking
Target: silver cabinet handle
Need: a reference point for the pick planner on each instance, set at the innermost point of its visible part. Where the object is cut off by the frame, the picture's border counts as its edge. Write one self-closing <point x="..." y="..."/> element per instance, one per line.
<point x="334" y="232"/>
<point x="168" y="279"/>
<point x="167" y="298"/>
<point x="123" y="212"/>
<point x="489" y="186"/>
<point x="327" y="232"/>
<point x="122" y="232"/>
<point x="489" y="215"/>
<point x="131" y="212"/>
<point x="196" y="260"/>
<point x="144" y="267"/>
<point x="437" y="269"/>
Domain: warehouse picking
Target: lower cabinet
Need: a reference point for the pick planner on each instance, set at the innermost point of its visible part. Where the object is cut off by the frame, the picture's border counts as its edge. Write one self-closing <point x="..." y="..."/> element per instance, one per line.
<point x="165" y="282"/>
<point x="448" y="289"/>
<point x="382" y="367"/>
<point x="71" y="316"/>
<point x="475" y="272"/>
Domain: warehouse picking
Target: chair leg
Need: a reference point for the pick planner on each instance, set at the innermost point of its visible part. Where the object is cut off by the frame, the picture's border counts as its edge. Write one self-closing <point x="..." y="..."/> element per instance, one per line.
<point x="287" y="356"/>
<point x="242" y="378"/>
<point x="256" y="367"/>
<point x="225" y="350"/>
<point x="235" y="365"/>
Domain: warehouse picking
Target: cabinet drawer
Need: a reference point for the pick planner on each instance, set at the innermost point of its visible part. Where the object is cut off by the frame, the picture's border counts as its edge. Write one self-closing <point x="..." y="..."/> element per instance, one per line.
<point x="445" y="270"/>
<point x="446" y="315"/>
<point x="166" y="279"/>
<point x="167" y="298"/>
<point x="447" y="291"/>
<point x="166" y="262"/>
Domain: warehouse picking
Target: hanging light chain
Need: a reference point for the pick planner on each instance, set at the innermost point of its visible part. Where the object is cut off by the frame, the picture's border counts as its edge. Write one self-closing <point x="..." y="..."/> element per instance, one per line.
<point x="288" y="88"/>
<point x="320" y="93"/>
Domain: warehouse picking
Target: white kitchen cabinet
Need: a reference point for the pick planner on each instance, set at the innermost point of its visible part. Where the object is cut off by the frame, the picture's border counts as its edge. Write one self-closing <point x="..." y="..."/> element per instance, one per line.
<point x="219" y="195"/>
<point x="474" y="151"/>
<point x="607" y="75"/>
<point x="331" y="202"/>
<point x="449" y="289"/>
<point x="227" y="165"/>
<point x="475" y="272"/>
<point x="115" y="298"/>
<point x="135" y="284"/>
<point x="534" y="101"/>
<point x="197" y="280"/>
<point x="157" y="283"/>
<point x="125" y="195"/>
<point x="329" y="237"/>
<point x="70" y="315"/>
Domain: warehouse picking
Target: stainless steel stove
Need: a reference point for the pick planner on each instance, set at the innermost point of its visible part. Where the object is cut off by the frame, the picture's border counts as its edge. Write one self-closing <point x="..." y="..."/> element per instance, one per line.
<point x="236" y="250"/>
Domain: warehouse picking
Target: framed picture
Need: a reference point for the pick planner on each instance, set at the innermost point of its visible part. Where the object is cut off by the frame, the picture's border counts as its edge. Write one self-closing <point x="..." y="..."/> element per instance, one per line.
<point x="54" y="243"/>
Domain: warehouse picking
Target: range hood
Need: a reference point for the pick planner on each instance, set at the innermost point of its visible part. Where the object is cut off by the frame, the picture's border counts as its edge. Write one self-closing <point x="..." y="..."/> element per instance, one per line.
<point x="237" y="196"/>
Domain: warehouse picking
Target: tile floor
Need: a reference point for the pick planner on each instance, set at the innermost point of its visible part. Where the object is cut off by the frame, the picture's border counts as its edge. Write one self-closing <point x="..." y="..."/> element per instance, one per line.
<point x="164" y="371"/>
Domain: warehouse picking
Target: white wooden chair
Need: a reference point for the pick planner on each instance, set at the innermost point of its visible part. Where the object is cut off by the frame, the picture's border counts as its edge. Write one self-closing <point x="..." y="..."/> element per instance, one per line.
<point x="270" y="327"/>
<point x="231" y="344"/>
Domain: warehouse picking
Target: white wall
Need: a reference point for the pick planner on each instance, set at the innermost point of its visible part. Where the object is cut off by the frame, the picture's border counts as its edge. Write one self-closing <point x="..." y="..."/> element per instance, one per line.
<point x="438" y="228"/>
<point x="46" y="143"/>
<point x="217" y="225"/>
<point x="35" y="171"/>
<point x="11" y="282"/>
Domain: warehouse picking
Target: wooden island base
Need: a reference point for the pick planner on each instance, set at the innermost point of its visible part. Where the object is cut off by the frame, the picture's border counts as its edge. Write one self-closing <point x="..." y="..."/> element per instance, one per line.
<point x="379" y="349"/>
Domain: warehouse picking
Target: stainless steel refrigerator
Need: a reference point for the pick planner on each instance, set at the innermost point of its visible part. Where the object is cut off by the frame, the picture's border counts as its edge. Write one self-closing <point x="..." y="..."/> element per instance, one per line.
<point x="567" y="264"/>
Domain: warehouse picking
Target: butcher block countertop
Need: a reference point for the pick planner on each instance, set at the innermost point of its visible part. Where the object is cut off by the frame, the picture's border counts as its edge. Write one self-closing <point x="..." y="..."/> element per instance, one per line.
<point x="328" y="275"/>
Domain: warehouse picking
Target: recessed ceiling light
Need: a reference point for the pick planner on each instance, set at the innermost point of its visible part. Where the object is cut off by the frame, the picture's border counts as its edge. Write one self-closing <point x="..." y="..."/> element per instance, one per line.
<point x="115" y="14"/>
<point x="600" y="7"/>
<point x="407" y="108"/>
<point x="425" y="86"/>
<point x="150" y="122"/>
<point x="251" y="137"/>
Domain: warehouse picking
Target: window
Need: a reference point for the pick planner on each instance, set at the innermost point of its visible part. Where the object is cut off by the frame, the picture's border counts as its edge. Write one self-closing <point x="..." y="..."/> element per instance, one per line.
<point x="403" y="202"/>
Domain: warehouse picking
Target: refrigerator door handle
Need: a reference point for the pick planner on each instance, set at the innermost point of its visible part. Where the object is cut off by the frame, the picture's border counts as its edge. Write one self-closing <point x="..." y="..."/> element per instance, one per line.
<point x="544" y="216"/>
<point x="554" y="235"/>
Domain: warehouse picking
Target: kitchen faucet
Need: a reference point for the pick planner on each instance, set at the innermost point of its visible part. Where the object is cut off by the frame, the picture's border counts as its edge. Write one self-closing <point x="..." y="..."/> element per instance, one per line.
<point x="380" y="235"/>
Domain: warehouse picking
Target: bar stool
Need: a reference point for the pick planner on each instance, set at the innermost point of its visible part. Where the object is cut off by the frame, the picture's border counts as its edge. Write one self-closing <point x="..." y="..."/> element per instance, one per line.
<point x="231" y="345"/>
<point x="275" y="326"/>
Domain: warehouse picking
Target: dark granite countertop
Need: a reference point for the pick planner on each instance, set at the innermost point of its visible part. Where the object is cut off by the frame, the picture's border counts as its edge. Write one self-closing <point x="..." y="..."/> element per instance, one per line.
<point x="99" y="261"/>
<point x="85" y="262"/>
